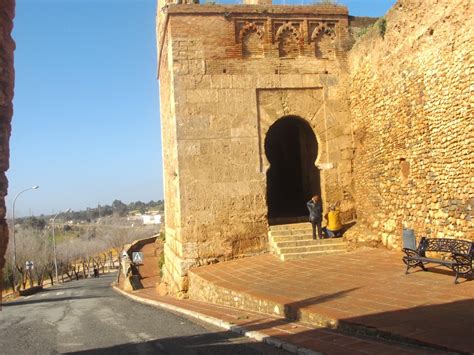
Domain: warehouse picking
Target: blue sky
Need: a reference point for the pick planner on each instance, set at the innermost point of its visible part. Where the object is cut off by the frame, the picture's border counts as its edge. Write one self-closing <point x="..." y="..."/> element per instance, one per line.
<point x="86" y="122"/>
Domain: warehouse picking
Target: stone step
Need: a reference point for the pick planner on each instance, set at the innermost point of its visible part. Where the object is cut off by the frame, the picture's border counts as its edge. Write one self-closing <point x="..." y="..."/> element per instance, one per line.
<point x="310" y="254"/>
<point x="294" y="241"/>
<point x="289" y="238"/>
<point x="281" y="227"/>
<point x="310" y="248"/>
<point x="292" y="232"/>
<point x="310" y="241"/>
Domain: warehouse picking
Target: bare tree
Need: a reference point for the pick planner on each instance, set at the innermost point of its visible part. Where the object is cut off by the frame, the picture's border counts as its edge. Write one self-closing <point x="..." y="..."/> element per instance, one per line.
<point x="117" y="238"/>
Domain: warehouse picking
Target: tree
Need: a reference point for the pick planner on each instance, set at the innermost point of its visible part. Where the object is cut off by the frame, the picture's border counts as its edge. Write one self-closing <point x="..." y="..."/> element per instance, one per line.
<point x="31" y="245"/>
<point x="33" y="223"/>
<point x="119" y="208"/>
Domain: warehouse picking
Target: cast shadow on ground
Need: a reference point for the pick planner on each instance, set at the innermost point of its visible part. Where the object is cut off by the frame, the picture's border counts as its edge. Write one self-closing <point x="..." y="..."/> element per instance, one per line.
<point x="222" y="342"/>
<point x="442" y="270"/>
<point x="433" y="328"/>
<point x="293" y="310"/>
<point x="427" y="330"/>
<point x="446" y="326"/>
<point x="47" y="300"/>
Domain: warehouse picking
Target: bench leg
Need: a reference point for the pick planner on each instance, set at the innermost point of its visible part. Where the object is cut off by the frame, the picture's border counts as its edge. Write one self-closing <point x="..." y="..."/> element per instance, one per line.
<point x="413" y="266"/>
<point x="408" y="268"/>
<point x="467" y="275"/>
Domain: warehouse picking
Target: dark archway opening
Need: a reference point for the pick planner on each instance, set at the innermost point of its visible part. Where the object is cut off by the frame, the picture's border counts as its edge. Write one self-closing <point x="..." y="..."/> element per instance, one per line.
<point x="291" y="148"/>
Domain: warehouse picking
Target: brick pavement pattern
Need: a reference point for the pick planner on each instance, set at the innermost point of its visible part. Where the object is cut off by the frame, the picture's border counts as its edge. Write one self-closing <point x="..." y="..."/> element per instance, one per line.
<point x="362" y="290"/>
<point x="263" y="276"/>
<point x="149" y="271"/>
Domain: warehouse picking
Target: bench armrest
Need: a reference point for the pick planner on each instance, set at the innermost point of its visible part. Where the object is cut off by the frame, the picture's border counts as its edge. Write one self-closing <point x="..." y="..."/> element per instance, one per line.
<point x="410" y="252"/>
<point x="461" y="256"/>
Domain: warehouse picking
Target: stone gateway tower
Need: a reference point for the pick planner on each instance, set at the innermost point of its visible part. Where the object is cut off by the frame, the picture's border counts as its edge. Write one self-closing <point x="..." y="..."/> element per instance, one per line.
<point x="255" y="120"/>
<point x="263" y="106"/>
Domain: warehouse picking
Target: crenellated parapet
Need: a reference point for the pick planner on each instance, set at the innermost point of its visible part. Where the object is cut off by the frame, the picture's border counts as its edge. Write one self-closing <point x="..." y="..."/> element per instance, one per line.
<point x="259" y="31"/>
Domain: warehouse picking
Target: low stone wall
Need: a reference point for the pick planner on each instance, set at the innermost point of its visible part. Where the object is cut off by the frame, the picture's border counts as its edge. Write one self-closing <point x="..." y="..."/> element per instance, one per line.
<point x="138" y="244"/>
<point x="205" y="291"/>
<point x="129" y="249"/>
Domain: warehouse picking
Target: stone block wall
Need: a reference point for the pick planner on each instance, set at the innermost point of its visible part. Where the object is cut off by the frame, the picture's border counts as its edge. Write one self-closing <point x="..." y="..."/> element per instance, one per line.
<point x="227" y="73"/>
<point x="412" y="106"/>
<point x="7" y="46"/>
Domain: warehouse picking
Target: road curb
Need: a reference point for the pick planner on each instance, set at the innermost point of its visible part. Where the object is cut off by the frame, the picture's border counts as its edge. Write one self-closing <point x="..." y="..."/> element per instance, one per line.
<point x="259" y="336"/>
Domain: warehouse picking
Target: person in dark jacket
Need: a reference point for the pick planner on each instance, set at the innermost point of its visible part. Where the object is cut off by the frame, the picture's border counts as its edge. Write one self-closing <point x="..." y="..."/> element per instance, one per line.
<point x="315" y="208"/>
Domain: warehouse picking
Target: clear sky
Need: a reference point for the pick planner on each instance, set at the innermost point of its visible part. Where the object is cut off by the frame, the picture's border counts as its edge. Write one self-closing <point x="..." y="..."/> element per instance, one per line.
<point x="86" y="124"/>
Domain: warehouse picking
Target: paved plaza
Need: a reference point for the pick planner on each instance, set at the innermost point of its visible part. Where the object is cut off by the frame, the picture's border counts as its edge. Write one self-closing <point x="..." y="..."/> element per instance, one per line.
<point x="364" y="294"/>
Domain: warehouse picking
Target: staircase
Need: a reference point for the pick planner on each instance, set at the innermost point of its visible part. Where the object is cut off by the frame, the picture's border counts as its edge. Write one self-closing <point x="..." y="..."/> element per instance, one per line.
<point x="295" y="241"/>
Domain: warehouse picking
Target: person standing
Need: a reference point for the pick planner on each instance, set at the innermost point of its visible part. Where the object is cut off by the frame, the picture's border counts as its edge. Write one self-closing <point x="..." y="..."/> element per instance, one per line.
<point x="315" y="208"/>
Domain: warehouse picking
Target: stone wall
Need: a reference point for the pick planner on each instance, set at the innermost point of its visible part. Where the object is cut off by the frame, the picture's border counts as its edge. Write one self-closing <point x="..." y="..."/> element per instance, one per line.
<point x="7" y="46"/>
<point x="412" y="105"/>
<point x="227" y="74"/>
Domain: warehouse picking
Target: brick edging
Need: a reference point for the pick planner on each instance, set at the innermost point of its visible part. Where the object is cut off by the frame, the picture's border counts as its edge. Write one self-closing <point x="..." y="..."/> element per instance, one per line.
<point x="259" y="336"/>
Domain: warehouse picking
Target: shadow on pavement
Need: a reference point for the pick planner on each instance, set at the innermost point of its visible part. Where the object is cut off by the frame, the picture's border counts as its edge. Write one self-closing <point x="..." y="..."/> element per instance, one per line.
<point x="47" y="300"/>
<point x="208" y="344"/>
<point x="293" y="310"/>
<point x="448" y="325"/>
<point x="431" y="329"/>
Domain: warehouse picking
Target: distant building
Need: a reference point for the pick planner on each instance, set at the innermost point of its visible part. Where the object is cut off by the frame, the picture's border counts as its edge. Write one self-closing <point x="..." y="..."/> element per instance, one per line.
<point x="135" y="216"/>
<point x="151" y="218"/>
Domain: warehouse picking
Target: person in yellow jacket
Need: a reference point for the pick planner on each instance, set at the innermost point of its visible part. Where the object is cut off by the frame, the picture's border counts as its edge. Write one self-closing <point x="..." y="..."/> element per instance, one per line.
<point x="334" y="226"/>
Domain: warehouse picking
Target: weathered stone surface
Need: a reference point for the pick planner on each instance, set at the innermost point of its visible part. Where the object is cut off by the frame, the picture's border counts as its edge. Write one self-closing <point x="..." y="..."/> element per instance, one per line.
<point x="7" y="46"/>
<point x="391" y="120"/>
<point x="227" y="74"/>
<point x="411" y="102"/>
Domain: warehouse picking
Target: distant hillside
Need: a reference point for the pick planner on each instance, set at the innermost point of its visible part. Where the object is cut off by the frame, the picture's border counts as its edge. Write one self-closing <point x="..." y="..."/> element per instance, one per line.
<point x="117" y="209"/>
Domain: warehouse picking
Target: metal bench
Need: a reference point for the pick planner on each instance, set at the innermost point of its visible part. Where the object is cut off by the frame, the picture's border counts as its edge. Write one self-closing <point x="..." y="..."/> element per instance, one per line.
<point x="459" y="258"/>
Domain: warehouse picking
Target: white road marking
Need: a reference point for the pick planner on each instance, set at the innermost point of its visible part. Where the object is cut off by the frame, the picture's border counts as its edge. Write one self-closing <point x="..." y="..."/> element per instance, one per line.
<point x="59" y="293"/>
<point x="28" y="297"/>
<point x="43" y="295"/>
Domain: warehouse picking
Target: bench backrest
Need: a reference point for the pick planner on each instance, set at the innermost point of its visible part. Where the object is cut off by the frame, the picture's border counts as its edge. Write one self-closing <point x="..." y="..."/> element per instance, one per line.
<point x="446" y="245"/>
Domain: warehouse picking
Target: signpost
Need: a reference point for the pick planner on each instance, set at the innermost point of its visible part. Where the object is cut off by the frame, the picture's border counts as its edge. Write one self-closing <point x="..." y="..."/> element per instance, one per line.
<point x="29" y="265"/>
<point x="137" y="257"/>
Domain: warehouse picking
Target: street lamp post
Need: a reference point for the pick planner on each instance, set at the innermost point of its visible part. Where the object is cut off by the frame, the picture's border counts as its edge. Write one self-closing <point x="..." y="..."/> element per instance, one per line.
<point x="14" y="241"/>
<point x="54" y="246"/>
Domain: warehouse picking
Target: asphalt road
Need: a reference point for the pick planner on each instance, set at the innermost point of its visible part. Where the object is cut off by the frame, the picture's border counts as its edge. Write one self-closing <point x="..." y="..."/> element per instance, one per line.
<point x="89" y="317"/>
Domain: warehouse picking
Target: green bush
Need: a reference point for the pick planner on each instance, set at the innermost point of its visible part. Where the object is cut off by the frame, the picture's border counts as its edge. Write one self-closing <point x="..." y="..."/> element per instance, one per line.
<point x="382" y="26"/>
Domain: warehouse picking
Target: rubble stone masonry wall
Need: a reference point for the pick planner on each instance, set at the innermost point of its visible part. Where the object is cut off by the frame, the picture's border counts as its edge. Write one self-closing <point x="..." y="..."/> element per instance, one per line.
<point x="412" y="106"/>
<point x="7" y="46"/>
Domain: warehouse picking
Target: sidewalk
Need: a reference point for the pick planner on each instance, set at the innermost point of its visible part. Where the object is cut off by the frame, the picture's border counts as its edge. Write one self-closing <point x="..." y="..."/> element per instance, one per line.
<point x="294" y="336"/>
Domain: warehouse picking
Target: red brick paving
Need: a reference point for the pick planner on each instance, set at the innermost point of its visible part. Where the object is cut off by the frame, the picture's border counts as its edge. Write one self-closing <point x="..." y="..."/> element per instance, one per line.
<point x="149" y="270"/>
<point x="297" y="333"/>
<point x="366" y="287"/>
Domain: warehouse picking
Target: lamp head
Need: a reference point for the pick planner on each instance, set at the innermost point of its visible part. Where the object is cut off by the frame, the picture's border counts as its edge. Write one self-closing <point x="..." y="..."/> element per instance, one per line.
<point x="35" y="187"/>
